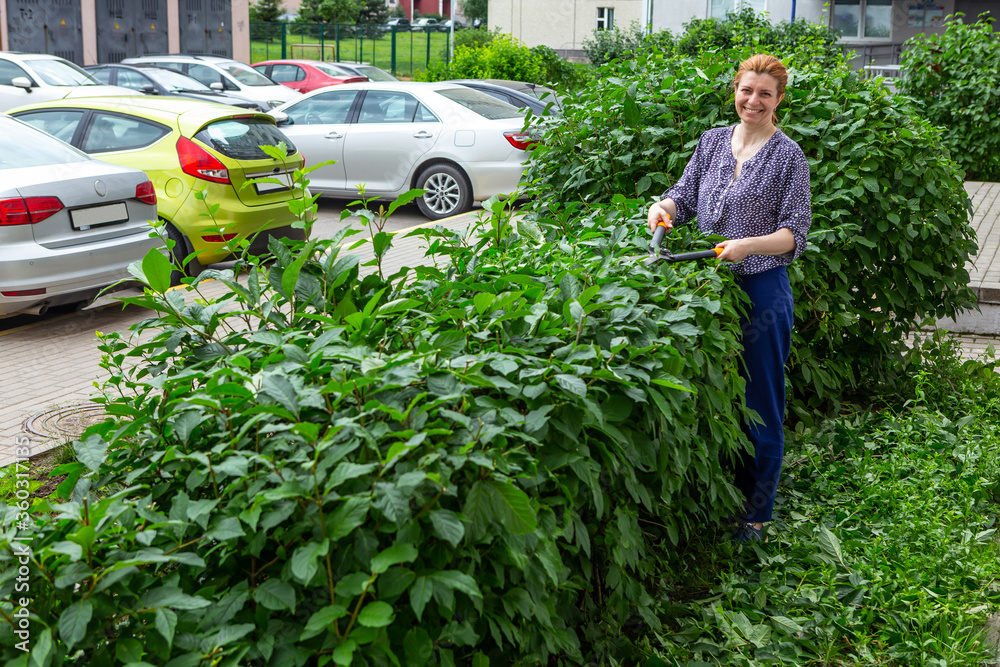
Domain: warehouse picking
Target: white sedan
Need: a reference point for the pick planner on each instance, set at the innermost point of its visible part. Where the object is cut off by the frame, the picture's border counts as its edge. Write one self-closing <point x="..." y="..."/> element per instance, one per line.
<point x="457" y="144"/>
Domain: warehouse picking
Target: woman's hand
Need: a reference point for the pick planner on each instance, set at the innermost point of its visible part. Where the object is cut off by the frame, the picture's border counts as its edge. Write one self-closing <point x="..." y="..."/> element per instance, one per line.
<point x="735" y="250"/>
<point x="660" y="212"/>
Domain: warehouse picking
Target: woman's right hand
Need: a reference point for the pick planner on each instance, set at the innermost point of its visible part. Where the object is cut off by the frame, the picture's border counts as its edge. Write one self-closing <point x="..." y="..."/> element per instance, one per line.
<point x="657" y="214"/>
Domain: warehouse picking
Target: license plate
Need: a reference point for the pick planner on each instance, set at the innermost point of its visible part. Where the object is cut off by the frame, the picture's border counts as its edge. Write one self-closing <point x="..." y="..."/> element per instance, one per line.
<point x="265" y="188"/>
<point x="85" y="218"/>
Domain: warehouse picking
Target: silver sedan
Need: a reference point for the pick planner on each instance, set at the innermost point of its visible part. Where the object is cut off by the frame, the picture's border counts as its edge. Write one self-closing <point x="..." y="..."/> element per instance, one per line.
<point x="69" y="224"/>
<point x="457" y="144"/>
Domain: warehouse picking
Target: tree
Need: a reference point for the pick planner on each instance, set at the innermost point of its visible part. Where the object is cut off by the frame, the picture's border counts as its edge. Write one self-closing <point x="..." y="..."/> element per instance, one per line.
<point x="475" y="9"/>
<point x="329" y="11"/>
<point x="266" y="10"/>
<point x="373" y="12"/>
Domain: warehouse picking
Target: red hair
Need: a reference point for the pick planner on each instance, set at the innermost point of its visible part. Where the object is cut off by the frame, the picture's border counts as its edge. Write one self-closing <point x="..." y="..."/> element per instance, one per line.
<point x="764" y="63"/>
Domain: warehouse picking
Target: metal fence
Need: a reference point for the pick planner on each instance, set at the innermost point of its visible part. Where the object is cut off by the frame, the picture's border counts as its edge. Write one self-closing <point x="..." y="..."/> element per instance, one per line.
<point x="401" y="52"/>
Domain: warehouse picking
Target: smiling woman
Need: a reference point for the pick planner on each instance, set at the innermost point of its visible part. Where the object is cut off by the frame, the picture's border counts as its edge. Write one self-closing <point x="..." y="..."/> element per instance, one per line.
<point x="750" y="183"/>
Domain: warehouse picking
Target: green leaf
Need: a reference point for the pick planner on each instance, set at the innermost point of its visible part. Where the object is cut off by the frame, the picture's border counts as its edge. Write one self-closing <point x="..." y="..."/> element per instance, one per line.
<point x="400" y="552"/>
<point x="92" y="451"/>
<point x="322" y="621"/>
<point x="73" y="622"/>
<point x="128" y="650"/>
<point x="829" y="543"/>
<point x="503" y="502"/>
<point x="349" y="515"/>
<point x="344" y="653"/>
<point x="376" y="614"/>
<point x="156" y="270"/>
<point x="786" y="624"/>
<point x="458" y="581"/>
<point x="304" y="560"/>
<point x="404" y="199"/>
<point x="275" y="595"/>
<point x="420" y="594"/>
<point x="572" y="384"/>
<point x="448" y="526"/>
<point x="166" y="624"/>
<point x="418" y="647"/>
<point x="450" y="343"/>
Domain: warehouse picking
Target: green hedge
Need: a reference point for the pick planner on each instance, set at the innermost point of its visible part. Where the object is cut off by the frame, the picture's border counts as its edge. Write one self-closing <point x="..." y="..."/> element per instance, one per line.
<point x="478" y="464"/>
<point x="954" y="77"/>
<point x="890" y="236"/>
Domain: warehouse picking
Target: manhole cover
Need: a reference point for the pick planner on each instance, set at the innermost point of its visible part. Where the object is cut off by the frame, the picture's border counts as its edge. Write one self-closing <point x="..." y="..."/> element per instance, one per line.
<point x="66" y="423"/>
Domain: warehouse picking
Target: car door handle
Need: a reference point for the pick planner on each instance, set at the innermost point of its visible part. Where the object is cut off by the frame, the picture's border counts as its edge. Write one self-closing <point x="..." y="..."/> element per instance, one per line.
<point x="333" y="135"/>
<point x="423" y="134"/>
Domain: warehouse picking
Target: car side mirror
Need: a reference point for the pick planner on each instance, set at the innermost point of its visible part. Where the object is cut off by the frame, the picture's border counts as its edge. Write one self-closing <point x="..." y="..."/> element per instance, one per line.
<point x="217" y="85"/>
<point x="280" y="118"/>
<point x="21" y="82"/>
<point x="148" y="89"/>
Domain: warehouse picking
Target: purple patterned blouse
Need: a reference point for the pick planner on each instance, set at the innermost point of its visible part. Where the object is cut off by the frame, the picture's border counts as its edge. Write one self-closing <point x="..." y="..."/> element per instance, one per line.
<point x="771" y="192"/>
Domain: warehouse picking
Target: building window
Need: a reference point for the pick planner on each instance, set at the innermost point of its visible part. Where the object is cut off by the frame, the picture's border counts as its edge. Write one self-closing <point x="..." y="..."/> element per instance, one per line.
<point x="605" y="18"/>
<point x="719" y="8"/>
<point x="857" y="19"/>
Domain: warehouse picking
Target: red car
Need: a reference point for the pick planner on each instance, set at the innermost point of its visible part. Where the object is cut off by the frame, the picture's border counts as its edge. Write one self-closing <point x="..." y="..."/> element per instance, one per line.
<point x="306" y="75"/>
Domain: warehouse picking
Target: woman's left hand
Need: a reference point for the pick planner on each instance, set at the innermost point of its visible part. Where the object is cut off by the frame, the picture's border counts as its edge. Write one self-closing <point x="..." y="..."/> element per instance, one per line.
<point x="735" y="250"/>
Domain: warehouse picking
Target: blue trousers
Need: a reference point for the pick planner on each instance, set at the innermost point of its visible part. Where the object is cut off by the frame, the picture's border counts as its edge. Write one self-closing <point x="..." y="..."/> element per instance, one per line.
<point x="767" y="332"/>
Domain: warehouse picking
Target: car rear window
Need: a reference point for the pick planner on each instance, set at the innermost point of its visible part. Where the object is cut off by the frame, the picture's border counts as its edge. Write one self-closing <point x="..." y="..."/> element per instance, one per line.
<point x="241" y="138"/>
<point x="486" y="106"/>
<point x="45" y="150"/>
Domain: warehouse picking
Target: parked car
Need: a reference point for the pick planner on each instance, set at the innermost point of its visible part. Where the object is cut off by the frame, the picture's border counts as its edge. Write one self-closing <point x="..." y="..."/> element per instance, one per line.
<point x="69" y="224"/>
<point x="398" y="22"/>
<point x="422" y="25"/>
<point x="456" y="143"/>
<point x="445" y="26"/>
<point x="186" y="147"/>
<point x="541" y="100"/>
<point x="370" y="72"/>
<point x="152" y="80"/>
<point x="306" y="75"/>
<point x="37" y="77"/>
<point x="224" y="75"/>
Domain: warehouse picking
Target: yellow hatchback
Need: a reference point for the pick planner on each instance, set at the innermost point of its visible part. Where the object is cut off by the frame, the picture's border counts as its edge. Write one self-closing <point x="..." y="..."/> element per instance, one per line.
<point x="187" y="147"/>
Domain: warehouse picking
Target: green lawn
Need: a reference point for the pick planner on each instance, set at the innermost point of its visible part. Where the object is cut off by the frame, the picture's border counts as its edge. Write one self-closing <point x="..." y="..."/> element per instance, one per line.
<point x="413" y="50"/>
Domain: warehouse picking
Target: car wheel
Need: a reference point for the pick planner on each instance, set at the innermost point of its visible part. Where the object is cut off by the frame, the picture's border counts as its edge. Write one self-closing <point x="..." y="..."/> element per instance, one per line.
<point x="181" y="250"/>
<point x="447" y="192"/>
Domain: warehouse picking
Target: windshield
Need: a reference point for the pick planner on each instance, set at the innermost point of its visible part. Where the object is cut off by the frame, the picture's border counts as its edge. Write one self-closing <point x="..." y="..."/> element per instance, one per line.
<point x="376" y="74"/>
<point x="175" y="81"/>
<point x="248" y="76"/>
<point x="45" y="149"/>
<point x="61" y="73"/>
<point x="241" y="138"/>
<point x="486" y="106"/>
<point x="331" y="70"/>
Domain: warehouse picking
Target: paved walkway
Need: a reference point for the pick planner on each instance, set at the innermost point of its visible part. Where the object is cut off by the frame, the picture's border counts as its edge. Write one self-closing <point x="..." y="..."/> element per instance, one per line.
<point x="50" y="368"/>
<point x="984" y="270"/>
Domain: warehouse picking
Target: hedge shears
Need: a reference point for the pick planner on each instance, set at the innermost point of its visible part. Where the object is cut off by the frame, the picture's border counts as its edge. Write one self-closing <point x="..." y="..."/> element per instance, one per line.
<point x="658" y="254"/>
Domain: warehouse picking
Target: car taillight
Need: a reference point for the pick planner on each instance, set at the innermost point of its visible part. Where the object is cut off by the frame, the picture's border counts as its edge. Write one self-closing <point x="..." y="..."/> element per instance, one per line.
<point x="26" y="292"/>
<point x="28" y="210"/>
<point x="218" y="238"/>
<point x="145" y="193"/>
<point x="519" y="140"/>
<point x="197" y="162"/>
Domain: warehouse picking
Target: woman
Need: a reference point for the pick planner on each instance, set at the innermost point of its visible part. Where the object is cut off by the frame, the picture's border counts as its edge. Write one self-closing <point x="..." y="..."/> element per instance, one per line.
<point x="750" y="183"/>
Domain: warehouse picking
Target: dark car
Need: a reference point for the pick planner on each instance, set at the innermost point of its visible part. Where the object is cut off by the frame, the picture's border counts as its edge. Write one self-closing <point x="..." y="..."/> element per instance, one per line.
<point x="153" y="80"/>
<point x="445" y="26"/>
<point x="519" y="94"/>
<point x="398" y="23"/>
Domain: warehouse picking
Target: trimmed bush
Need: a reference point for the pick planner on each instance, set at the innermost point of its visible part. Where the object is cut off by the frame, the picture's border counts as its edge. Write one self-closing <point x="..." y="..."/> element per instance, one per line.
<point x="476" y="462"/>
<point x="955" y="78"/>
<point x="890" y="235"/>
<point x="747" y="28"/>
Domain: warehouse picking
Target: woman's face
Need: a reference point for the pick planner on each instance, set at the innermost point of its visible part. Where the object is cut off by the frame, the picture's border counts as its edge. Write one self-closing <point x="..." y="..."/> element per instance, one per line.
<point x="756" y="98"/>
